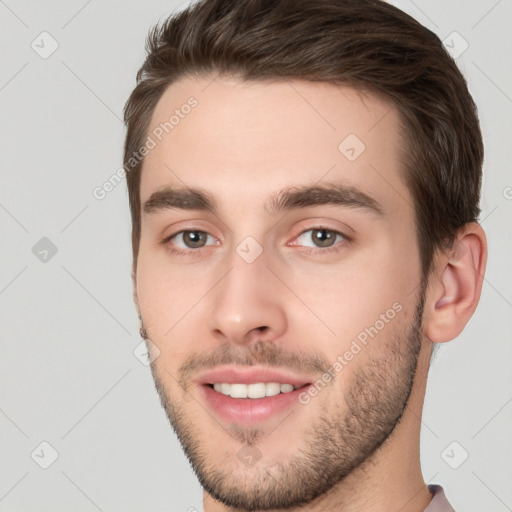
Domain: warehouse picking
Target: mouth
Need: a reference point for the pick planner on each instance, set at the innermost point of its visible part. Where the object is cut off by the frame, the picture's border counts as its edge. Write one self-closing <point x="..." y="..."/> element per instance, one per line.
<point x="244" y="396"/>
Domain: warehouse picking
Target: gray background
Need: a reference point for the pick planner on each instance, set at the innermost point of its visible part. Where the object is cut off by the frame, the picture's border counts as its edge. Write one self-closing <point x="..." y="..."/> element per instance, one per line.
<point x="68" y="373"/>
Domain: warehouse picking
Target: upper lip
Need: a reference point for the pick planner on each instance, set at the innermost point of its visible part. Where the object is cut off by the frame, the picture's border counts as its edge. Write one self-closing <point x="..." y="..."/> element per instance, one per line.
<point x="250" y="375"/>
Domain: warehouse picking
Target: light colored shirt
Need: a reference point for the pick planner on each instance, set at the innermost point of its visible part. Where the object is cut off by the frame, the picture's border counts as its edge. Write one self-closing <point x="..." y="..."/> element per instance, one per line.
<point x="439" y="502"/>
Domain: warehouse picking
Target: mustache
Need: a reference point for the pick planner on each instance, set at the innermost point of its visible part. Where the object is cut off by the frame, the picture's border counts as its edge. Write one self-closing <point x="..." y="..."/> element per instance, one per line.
<point x="264" y="353"/>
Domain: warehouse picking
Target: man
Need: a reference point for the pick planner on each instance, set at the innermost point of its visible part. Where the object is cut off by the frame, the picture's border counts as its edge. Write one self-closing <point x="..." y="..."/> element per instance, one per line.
<point x="304" y="180"/>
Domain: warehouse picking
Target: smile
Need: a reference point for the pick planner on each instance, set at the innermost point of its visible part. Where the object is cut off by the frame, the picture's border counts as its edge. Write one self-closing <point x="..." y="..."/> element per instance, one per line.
<point x="245" y="395"/>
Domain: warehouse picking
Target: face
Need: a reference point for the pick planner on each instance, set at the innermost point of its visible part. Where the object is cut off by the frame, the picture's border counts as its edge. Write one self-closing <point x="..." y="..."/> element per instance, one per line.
<point x="278" y="280"/>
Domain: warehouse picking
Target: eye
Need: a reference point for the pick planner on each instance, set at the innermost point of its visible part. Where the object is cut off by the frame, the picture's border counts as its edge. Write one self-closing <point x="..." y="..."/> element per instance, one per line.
<point x="193" y="239"/>
<point x="319" y="237"/>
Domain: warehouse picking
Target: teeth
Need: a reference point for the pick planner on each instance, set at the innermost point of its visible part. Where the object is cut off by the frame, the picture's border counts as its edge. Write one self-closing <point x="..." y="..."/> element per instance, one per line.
<point x="272" y="389"/>
<point x="257" y="390"/>
<point x="238" y="391"/>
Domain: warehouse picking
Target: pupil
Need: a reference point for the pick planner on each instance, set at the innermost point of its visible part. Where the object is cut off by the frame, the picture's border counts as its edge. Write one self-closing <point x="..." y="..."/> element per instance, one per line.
<point x="323" y="237"/>
<point x="194" y="239"/>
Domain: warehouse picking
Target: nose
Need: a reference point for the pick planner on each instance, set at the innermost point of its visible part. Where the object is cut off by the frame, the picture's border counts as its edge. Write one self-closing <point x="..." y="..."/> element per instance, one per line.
<point x="247" y="304"/>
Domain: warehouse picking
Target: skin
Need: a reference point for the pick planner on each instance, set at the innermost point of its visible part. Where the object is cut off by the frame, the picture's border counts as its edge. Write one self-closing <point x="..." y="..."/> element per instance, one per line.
<point x="296" y="303"/>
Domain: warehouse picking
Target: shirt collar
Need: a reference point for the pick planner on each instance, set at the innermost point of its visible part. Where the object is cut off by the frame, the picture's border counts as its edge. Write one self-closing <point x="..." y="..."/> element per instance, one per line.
<point x="439" y="501"/>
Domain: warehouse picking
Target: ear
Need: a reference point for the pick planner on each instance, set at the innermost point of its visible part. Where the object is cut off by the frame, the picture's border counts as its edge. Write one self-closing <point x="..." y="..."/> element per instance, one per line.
<point x="142" y="330"/>
<point x="455" y="284"/>
<point x="134" y="285"/>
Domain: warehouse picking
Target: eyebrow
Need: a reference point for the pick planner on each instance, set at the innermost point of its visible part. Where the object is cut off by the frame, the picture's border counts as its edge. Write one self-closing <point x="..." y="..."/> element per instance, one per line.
<point x="179" y="199"/>
<point x="189" y="198"/>
<point x="318" y="195"/>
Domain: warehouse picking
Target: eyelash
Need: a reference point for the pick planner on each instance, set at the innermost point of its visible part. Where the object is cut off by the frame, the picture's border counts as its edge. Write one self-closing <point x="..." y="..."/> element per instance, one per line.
<point x="182" y="252"/>
<point x="308" y="250"/>
<point x="338" y="246"/>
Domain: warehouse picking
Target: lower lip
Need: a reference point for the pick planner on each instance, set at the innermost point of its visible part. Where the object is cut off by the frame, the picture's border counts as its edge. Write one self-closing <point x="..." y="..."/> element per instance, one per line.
<point x="250" y="410"/>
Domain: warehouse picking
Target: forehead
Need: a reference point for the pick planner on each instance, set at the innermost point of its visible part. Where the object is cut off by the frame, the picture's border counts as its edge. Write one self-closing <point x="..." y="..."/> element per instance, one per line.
<point x="226" y="135"/>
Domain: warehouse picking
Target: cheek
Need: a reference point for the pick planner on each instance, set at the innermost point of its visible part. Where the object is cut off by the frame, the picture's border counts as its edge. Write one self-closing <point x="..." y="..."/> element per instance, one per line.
<point x="352" y="298"/>
<point x="173" y="302"/>
<point x="165" y="296"/>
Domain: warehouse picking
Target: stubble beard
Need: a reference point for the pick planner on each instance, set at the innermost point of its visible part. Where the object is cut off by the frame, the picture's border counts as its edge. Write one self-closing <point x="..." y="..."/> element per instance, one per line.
<point x="338" y="442"/>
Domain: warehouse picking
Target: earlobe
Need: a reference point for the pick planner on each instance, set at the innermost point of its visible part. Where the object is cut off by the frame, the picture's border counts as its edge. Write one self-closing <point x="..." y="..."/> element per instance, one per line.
<point x="457" y="283"/>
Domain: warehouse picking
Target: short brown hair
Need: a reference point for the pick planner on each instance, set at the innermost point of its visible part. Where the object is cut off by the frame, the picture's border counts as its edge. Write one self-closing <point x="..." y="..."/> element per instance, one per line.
<point x="367" y="44"/>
